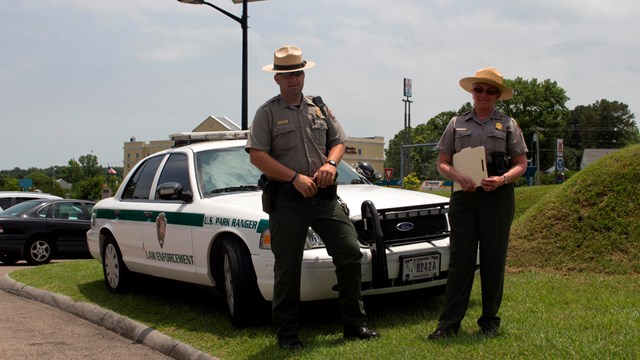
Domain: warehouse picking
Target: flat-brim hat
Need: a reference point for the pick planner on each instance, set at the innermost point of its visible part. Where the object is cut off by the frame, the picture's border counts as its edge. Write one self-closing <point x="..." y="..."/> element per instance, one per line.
<point x="288" y="59"/>
<point x="490" y="76"/>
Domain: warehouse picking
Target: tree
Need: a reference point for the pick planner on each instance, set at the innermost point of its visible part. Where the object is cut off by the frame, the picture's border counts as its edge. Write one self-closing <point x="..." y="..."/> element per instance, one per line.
<point x="45" y="183"/>
<point x="8" y="183"/>
<point x="603" y="124"/>
<point x="536" y="104"/>
<point x="541" y="105"/>
<point x="423" y="159"/>
<point x="90" y="166"/>
<point x="73" y="172"/>
<point x="88" y="188"/>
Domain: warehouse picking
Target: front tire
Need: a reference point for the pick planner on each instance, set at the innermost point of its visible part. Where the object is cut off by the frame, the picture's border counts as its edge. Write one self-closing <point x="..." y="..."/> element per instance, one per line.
<point x="116" y="274"/>
<point x="240" y="286"/>
<point x="38" y="251"/>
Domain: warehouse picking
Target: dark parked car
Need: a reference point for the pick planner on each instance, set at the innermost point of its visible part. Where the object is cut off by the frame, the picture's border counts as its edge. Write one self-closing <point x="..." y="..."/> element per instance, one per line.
<point x="40" y="230"/>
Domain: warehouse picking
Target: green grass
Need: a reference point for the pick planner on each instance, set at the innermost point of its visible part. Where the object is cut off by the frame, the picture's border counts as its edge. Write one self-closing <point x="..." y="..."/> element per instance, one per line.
<point x="572" y="290"/>
<point x="545" y="315"/>
<point x="589" y="223"/>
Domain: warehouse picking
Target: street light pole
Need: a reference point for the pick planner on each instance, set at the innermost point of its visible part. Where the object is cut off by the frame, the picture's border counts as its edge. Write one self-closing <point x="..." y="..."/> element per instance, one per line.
<point x="243" y="24"/>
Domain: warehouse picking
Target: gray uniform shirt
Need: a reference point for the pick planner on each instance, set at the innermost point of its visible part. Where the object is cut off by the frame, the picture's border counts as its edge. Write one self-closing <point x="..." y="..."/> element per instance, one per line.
<point x="298" y="137"/>
<point x="499" y="133"/>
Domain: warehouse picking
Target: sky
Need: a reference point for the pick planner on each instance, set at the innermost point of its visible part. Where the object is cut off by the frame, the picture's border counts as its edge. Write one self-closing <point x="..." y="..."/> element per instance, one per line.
<point x="82" y="77"/>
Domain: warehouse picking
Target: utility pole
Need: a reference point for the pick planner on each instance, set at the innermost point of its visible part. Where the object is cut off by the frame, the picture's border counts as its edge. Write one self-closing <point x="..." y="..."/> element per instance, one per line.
<point x="404" y="160"/>
<point x="536" y="140"/>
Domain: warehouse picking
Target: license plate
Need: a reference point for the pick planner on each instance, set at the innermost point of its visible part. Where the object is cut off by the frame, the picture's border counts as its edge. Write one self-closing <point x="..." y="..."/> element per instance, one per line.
<point x="420" y="267"/>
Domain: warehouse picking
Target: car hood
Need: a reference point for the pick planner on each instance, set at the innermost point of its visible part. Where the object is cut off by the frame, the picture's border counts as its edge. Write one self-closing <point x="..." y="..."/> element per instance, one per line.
<point x="353" y="195"/>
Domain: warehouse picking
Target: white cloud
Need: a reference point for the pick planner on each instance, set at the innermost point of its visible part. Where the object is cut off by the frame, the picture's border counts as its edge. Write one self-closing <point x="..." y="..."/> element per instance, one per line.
<point x="92" y="74"/>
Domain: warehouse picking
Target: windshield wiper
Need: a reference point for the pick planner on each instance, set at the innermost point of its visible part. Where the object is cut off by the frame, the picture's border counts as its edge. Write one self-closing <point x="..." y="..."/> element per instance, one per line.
<point x="236" y="188"/>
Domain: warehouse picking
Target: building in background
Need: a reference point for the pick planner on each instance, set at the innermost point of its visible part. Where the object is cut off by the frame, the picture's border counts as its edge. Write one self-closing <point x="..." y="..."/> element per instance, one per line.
<point x="367" y="149"/>
<point x="591" y="155"/>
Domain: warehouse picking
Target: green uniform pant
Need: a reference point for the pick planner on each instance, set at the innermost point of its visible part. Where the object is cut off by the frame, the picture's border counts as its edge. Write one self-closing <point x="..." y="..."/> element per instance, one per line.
<point x="288" y="223"/>
<point x="484" y="219"/>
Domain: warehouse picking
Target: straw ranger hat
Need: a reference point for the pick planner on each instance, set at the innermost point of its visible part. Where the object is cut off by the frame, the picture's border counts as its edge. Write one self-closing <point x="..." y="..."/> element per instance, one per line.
<point x="490" y="76"/>
<point x="288" y="59"/>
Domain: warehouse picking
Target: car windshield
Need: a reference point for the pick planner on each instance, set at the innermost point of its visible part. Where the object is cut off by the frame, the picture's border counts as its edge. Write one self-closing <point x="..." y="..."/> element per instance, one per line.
<point x="225" y="170"/>
<point x="20" y="209"/>
<point x="229" y="169"/>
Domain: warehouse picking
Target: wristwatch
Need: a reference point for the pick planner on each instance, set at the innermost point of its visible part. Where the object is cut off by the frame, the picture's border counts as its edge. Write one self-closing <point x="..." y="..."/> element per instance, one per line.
<point x="332" y="163"/>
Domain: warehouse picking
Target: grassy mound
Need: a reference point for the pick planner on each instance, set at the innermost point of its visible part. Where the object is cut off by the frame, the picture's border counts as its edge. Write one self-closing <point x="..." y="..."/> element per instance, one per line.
<point x="590" y="223"/>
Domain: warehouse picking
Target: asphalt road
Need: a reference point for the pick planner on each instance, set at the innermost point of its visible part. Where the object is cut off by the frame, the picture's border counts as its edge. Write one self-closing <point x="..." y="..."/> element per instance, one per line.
<point x="36" y="324"/>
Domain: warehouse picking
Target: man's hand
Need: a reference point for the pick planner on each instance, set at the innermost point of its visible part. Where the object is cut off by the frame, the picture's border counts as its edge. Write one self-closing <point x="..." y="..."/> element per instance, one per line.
<point x="305" y="185"/>
<point x="325" y="176"/>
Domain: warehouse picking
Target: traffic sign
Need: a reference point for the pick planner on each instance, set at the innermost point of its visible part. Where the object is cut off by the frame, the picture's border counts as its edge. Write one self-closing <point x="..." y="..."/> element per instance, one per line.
<point x="560" y="164"/>
<point x="388" y="172"/>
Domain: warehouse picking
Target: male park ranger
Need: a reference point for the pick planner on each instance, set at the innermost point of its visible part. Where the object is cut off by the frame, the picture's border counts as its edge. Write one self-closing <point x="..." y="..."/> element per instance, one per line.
<point x="297" y="145"/>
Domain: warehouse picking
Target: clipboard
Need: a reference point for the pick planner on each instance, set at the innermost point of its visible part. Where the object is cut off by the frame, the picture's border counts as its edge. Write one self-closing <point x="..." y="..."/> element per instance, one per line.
<point x="471" y="162"/>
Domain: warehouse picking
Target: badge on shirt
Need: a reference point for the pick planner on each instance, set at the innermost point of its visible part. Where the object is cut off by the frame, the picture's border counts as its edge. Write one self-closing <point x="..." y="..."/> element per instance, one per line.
<point x="499" y="126"/>
<point x="282" y="122"/>
<point x="461" y="129"/>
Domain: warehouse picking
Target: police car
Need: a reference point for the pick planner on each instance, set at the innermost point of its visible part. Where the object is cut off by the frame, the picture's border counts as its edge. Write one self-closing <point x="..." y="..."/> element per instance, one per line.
<point x="193" y="213"/>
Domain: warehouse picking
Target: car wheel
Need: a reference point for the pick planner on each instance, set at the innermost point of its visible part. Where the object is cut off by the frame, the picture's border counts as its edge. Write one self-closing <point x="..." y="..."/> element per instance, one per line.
<point x="8" y="259"/>
<point x="116" y="274"/>
<point x="240" y="287"/>
<point x="38" y="251"/>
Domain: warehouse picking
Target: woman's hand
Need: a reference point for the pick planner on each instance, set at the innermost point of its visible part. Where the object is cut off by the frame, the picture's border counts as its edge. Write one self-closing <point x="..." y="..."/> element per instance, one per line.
<point x="492" y="182"/>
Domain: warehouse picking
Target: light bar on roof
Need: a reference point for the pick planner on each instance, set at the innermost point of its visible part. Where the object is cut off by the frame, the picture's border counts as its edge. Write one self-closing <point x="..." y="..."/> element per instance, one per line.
<point x="193" y="137"/>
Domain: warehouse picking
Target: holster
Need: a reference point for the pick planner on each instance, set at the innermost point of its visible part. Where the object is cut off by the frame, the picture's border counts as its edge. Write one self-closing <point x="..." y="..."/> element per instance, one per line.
<point x="500" y="164"/>
<point x="269" y="193"/>
<point x="271" y="190"/>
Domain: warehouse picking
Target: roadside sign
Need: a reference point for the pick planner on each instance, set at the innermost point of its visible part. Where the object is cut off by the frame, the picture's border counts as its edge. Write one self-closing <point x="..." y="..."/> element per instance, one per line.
<point x="25" y="183"/>
<point x="559" y="148"/>
<point x="388" y="172"/>
<point x="559" y="155"/>
<point x="407" y="87"/>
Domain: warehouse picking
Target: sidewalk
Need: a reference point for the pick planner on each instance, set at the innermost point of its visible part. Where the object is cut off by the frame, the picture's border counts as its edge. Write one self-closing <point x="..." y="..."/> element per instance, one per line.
<point x="36" y="326"/>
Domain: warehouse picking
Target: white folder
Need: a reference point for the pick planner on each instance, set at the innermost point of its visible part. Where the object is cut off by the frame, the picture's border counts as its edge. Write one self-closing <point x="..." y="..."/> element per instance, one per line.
<point x="471" y="162"/>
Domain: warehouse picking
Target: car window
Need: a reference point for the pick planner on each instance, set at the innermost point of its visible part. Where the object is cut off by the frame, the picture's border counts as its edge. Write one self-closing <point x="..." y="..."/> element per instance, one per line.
<point x="176" y="169"/>
<point x="89" y="208"/>
<point x="42" y="213"/>
<point x="68" y="210"/>
<point x="5" y="202"/>
<point x="223" y="168"/>
<point x="140" y="183"/>
<point x="18" y="210"/>
<point x="347" y="175"/>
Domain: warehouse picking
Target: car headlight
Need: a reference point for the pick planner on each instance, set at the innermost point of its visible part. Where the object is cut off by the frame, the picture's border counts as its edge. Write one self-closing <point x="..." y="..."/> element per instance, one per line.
<point x="265" y="240"/>
<point x="312" y="241"/>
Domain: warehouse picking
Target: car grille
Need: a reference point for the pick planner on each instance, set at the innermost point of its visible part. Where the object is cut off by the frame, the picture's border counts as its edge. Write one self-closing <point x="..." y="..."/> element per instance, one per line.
<point x="402" y="226"/>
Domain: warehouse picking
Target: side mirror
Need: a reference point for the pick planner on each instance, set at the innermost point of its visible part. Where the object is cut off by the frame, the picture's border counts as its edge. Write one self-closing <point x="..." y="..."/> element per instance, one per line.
<point x="173" y="191"/>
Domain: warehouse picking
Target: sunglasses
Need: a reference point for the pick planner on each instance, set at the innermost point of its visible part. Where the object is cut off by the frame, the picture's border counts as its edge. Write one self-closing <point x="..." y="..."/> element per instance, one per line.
<point x="291" y="74"/>
<point x="490" y="91"/>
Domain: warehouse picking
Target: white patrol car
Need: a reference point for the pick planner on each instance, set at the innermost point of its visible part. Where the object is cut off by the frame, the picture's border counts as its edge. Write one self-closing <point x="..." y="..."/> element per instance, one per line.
<point x="193" y="213"/>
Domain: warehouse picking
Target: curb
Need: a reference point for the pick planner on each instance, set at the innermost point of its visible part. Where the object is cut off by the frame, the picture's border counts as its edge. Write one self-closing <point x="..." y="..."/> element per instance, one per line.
<point x="110" y="320"/>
